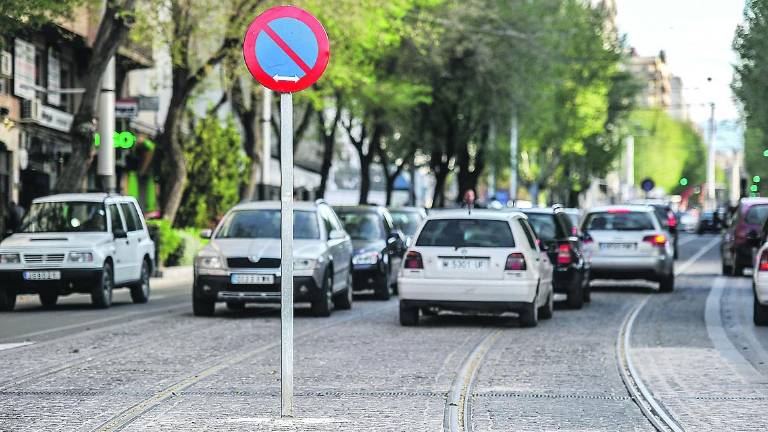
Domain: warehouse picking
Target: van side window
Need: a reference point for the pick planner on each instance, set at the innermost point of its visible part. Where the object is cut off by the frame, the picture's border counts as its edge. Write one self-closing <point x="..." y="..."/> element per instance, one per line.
<point x="114" y="217"/>
<point x="132" y="219"/>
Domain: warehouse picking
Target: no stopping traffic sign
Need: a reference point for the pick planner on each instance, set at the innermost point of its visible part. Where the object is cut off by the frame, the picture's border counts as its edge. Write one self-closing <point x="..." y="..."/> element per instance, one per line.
<point x="286" y="49"/>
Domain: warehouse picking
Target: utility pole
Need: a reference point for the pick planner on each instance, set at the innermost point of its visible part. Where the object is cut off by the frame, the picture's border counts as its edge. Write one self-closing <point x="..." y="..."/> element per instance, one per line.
<point x="736" y="178"/>
<point x="106" y="154"/>
<point x="513" y="143"/>
<point x="711" y="202"/>
<point x="492" y="171"/>
<point x="266" y="133"/>
<point x="630" y="168"/>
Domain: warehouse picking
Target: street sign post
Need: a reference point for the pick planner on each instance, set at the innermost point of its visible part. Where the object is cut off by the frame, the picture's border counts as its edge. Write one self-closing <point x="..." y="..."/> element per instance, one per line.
<point x="287" y="50"/>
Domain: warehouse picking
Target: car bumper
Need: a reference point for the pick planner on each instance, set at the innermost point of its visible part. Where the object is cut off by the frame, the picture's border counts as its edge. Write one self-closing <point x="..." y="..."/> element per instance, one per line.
<point x="458" y="290"/>
<point x="367" y="277"/>
<point x="630" y="267"/>
<point x="469" y="306"/>
<point x="72" y="281"/>
<point x="565" y="279"/>
<point x="761" y="287"/>
<point x="219" y="288"/>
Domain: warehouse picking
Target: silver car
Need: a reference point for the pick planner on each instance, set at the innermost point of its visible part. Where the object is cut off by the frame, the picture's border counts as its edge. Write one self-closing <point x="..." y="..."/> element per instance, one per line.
<point x="628" y="242"/>
<point x="241" y="264"/>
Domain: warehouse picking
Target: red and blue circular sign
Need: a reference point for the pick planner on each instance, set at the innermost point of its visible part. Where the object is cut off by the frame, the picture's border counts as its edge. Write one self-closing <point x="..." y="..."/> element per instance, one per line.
<point x="286" y="49"/>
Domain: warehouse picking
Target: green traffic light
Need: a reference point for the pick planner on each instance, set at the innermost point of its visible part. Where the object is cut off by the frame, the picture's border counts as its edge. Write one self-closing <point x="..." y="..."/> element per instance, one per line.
<point x="765" y="153"/>
<point x="756" y="179"/>
<point x="683" y="181"/>
<point x="753" y="188"/>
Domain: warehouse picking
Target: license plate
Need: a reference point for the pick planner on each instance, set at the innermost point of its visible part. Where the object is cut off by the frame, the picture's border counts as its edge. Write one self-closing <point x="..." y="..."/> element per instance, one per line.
<point x="618" y="246"/>
<point x="465" y="264"/>
<point x="42" y="275"/>
<point x="252" y="279"/>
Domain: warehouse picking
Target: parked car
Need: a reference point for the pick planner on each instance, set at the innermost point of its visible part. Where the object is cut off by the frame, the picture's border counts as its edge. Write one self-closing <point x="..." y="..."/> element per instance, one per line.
<point x="241" y="264"/>
<point x="689" y="220"/>
<point x="564" y="247"/>
<point x="760" y="280"/>
<point x="78" y="243"/>
<point x="484" y="261"/>
<point x="742" y="236"/>
<point x="378" y="248"/>
<point x="709" y="223"/>
<point x="408" y="220"/>
<point x="629" y="242"/>
<point x="667" y="218"/>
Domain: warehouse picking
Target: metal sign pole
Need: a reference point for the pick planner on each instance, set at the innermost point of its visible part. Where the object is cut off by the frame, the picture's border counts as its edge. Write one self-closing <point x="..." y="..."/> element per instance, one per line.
<point x="286" y="244"/>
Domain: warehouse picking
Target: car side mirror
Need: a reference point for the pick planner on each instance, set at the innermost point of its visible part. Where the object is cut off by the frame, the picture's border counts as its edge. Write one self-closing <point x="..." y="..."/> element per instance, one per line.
<point x="119" y="233"/>
<point x="206" y="234"/>
<point x="336" y="234"/>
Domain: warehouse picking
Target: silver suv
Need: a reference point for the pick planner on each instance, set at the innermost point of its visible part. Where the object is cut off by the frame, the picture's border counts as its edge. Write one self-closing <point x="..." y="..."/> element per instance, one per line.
<point x="241" y="264"/>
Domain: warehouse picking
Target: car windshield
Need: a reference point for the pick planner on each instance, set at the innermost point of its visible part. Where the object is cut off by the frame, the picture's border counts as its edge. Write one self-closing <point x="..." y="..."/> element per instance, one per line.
<point x="251" y="224"/>
<point x="466" y="233"/>
<point x="65" y="217"/>
<point x="407" y="222"/>
<point x="619" y="221"/>
<point x="362" y="225"/>
<point x="544" y="225"/>
<point x="757" y="214"/>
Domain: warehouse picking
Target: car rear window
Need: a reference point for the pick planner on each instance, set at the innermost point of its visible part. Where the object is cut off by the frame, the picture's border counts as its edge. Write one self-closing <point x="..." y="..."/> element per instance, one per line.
<point x="619" y="221"/>
<point x="545" y="226"/>
<point x="466" y="233"/>
<point x="756" y="215"/>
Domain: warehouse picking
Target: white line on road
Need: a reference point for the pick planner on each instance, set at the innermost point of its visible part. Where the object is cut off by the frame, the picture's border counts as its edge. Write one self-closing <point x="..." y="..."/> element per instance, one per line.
<point x="7" y="346"/>
<point x="686" y="265"/>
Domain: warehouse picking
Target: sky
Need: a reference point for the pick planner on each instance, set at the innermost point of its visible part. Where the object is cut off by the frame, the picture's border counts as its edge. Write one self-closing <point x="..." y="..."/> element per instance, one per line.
<point x="697" y="37"/>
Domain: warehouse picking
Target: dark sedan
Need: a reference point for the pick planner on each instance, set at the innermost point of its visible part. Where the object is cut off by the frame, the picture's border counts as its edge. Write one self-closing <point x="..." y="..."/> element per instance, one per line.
<point x="378" y="248"/>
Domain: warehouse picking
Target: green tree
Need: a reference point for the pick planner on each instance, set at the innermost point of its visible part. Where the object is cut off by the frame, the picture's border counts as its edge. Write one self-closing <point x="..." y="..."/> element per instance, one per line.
<point x="217" y="168"/>
<point x="28" y="15"/>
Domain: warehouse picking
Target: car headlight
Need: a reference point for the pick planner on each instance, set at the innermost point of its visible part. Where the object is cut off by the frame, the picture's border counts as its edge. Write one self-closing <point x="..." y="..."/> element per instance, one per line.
<point x="304" y="264"/>
<point x="366" y="258"/>
<point x="10" y="258"/>
<point x="80" y="257"/>
<point x="209" y="262"/>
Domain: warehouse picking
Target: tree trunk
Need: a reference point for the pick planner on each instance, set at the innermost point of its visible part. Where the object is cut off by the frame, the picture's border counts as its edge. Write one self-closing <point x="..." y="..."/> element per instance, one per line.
<point x="328" y="138"/>
<point x="247" y="112"/>
<point x="174" y="160"/>
<point x="438" y="198"/>
<point x="112" y="32"/>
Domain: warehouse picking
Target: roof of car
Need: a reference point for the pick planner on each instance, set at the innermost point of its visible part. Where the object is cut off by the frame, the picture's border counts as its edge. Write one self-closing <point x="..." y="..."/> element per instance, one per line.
<point x="407" y="209"/>
<point x="539" y="210"/>
<point x="630" y="207"/>
<point x="475" y="214"/>
<point x="360" y="208"/>
<point x="754" y="201"/>
<point x="274" y="205"/>
<point x="84" y="197"/>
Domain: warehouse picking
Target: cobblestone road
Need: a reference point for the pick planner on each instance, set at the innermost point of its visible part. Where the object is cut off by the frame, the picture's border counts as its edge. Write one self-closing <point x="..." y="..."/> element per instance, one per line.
<point x="164" y="369"/>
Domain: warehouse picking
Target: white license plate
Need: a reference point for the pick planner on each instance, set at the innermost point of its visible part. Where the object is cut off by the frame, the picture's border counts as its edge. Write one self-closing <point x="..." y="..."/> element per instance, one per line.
<point x="42" y="275"/>
<point x="252" y="279"/>
<point x="618" y="246"/>
<point x="465" y="264"/>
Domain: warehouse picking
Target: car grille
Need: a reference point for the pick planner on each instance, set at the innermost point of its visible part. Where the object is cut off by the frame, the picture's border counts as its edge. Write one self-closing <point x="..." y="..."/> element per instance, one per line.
<point x="264" y="263"/>
<point x="44" y="259"/>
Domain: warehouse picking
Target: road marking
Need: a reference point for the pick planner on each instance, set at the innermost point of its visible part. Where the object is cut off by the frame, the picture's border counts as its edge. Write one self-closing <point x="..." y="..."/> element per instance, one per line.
<point x="7" y="346"/>
<point x="685" y="241"/>
<point x="703" y="251"/>
<point x="720" y="339"/>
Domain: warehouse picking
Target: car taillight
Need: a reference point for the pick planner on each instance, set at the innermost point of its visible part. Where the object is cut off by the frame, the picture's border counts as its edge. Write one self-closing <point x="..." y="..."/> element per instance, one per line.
<point x="413" y="260"/>
<point x="659" y="240"/>
<point x="672" y="220"/>
<point x="764" y="262"/>
<point x="564" y="254"/>
<point x="515" y="262"/>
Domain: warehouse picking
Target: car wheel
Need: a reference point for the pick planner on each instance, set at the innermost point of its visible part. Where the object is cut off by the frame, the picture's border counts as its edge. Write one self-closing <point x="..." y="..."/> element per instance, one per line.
<point x="343" y="300"/>
<point x="322" y="306"/>
<point x="727" y="270"/>
<point x="667" y="284"/>
<point x="7" y="300"/>
<point x="737" y="270"/>
<point x="545" y="312"/>
<point x="235" y="306"/>
<point x="760" y="313"/>
<point x="576" y="296"/>
<point x="409" y="315"/>
<point x="384" y="288"/>
<point x="140" y="291"/>
<point x="203" y="307"/>
<point x="587" y="290"/>
<point x="101" y="296"/>
<point x="529" y="317"/>
<point x="48" y="299"/>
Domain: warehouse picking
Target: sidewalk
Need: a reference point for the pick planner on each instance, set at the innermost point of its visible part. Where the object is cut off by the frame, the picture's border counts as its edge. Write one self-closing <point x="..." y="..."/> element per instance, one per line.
<point x="174" y="276"/>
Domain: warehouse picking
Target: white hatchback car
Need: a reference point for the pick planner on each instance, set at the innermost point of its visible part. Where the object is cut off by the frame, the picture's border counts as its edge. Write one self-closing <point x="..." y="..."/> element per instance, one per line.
<point x="78" y="243"/>
<point x="760" y="283"/>
<point x="629" y="242"/>
<point x="483" y="261"/>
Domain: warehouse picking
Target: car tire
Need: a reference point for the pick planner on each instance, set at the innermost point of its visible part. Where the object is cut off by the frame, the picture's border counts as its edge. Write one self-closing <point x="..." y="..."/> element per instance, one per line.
<point x="140" y="290"/>
<point x="667" y="284"/>
<point x="7" y="300"/>
<point x="235" y="306"/>
<point x="529" y="317"/>
<point x="587" y="290"/>
<point x="409" y="315"/>
<point x="737" y="270"/>
<point x="49" y="299"/>
<point x="576" y="296"/>
<point x="384" y="288"/>
<point x="343" y="300"/>
<point x="727" y="270"/>
<point x="101" y="296"/>
<point x="203" y="307"/>
<point x="760" y="313"/>
<point x="546" y="311"/>
<point x="321" y="307"/>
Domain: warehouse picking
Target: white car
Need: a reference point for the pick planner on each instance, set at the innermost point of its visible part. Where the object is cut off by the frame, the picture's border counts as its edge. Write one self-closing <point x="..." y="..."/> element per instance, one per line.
<point x="78" y="243"/>
<point x="760" y="284"/>
<point x="629" y="242"/>
<point x="483" y="261"/>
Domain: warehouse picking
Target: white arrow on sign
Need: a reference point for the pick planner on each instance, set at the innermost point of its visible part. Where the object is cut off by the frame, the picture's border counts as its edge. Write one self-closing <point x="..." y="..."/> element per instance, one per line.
<point x="285" y="78"/>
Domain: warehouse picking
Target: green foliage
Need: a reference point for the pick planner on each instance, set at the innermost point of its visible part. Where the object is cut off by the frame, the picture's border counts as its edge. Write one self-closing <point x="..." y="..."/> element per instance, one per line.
<point x="755" y="146"/>
<point x="217" y="168"/>
<point x="170" y="240"/>
<point x="667" y="150"/>
<point x="178" y="246"/>
<point x="18" y="15"/>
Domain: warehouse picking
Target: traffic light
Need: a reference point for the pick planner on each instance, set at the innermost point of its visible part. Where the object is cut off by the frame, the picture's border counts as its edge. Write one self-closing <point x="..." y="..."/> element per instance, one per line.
<point x="756" y="179"/>
<point x="683" y="181"/>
